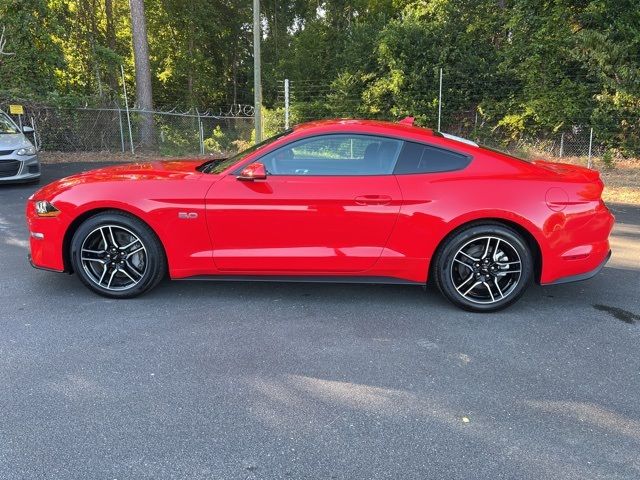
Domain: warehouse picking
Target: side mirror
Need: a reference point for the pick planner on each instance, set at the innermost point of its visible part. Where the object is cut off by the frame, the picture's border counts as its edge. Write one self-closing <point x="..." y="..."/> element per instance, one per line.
<point x="26" y="129"/>
<point x="253" y="171"/>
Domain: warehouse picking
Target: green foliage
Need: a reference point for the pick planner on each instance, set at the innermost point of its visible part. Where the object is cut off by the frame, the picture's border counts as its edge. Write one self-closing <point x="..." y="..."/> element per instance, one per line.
<point x="512" y="69"/>
<point x="178" y="140"/>
<point x="29" y="28"/>
<point x="607" y="159"/>
<point x="218" y="141"/>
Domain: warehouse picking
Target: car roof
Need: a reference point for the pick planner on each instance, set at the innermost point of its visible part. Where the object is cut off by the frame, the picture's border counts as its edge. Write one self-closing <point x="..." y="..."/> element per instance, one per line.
<point x="364" y="125"/>
<point x="403" y="129"/>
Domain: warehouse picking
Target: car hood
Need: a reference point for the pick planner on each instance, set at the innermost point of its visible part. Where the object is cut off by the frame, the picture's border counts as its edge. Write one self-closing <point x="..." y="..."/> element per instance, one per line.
<point x="152" y="170"/>
<point x="157" y="170"/>
<point x="13" y="141"/>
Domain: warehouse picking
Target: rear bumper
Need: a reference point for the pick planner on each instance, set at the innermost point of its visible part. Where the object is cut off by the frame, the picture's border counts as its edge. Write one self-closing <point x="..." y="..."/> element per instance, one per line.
<point x="577" y="246"/>
<point x="582" y="276"/>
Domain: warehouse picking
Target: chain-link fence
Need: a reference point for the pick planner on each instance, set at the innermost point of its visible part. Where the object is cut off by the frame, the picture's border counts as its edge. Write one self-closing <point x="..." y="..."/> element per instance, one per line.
<point x="230" y="129"/>
<point x="168" y="133"/>
<point x="307" y="101"/>
<point x="579" y="141"/>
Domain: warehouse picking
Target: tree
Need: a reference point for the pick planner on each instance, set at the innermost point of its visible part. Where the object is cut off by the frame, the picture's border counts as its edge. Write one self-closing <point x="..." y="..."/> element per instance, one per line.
<point x="110" y="33"/>
<point x="3" y="43"/>
<point x="144" y="89"/>
<point x="31" y="27"/>
<point x="512" y="68"/>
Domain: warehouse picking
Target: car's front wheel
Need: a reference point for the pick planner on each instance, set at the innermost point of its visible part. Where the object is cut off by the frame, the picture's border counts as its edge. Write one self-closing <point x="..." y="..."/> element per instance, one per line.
<point x="117" y="255"/>
<point x="484" y="268"/>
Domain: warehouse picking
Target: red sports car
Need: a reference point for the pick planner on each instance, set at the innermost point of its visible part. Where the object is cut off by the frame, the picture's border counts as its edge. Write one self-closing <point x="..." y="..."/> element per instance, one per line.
<point x="331" y="201"/>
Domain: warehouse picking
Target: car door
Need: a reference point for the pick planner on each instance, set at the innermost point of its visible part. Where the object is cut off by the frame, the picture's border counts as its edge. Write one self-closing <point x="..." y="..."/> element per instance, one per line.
<point x="327" y="205"/>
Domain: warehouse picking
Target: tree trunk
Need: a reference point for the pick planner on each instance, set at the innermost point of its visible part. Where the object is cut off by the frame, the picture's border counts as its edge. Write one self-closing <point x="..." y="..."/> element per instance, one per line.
<point x="144" y="93"/>
<point x="112" y="74"/>
<point x="93" y="13"/>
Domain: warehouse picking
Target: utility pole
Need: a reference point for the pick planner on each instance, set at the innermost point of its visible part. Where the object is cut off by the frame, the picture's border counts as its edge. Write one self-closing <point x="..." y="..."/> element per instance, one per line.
<point x="257" y="85"/>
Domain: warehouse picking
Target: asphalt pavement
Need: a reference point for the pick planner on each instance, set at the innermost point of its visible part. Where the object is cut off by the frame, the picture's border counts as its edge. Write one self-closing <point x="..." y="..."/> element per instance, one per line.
<point x="208" y="380"/>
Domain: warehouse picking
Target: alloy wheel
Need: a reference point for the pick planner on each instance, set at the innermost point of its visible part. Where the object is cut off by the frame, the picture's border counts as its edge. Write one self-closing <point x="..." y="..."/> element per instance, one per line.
<point x="486" y="269"/>
<point x="114" y="258"/>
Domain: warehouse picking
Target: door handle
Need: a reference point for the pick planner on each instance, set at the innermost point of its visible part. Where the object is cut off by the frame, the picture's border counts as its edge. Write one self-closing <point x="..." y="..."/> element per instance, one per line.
<point x="373" y="200"/>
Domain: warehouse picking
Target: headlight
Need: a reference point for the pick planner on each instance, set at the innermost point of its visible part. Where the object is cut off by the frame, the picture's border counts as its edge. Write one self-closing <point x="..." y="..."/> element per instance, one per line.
<point x="27" y="151"/>
<point x="46" y="209"/>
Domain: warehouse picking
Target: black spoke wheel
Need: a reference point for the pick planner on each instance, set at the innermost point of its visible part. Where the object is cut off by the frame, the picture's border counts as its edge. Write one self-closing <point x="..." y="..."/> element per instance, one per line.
<point x="484" y="267"/>
<point x="117" y="255"/>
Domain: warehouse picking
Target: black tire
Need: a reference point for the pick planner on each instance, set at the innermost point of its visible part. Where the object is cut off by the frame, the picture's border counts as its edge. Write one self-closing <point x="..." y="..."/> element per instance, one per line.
<point x="112" y="271"/>
<point x="492" y="254"/>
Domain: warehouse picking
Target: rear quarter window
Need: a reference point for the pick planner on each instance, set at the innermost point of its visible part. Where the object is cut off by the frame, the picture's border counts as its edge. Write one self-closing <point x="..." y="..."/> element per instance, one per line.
<point x="419" y="158"/>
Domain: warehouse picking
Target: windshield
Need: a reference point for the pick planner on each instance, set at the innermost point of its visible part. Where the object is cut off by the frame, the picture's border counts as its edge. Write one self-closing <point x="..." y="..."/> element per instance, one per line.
<point x="6" y="126"/>
<point x="217" y="166"/>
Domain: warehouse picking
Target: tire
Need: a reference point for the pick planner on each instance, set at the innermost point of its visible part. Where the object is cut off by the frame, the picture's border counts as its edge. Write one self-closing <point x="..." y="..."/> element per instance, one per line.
<point x="484" y="267"/>
<point x="117" y="255"/>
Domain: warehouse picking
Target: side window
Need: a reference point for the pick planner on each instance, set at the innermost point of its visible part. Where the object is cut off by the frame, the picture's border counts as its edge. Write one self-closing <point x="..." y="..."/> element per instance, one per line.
<point x="343" y="154"/>
<point x="418" y="158"/>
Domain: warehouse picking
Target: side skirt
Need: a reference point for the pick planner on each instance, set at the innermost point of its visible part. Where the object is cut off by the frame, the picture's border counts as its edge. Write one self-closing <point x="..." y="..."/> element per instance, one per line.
<point x="302" y="279"/>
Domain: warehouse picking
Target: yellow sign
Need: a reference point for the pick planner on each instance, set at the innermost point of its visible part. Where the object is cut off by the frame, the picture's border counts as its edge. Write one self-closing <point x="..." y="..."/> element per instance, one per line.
<point x="16" y="110"/>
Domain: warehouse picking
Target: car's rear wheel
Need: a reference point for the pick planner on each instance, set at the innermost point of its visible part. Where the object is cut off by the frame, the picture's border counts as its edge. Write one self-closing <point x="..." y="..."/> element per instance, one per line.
<point x="117" y="255"/>
<point x="484" y="268"/>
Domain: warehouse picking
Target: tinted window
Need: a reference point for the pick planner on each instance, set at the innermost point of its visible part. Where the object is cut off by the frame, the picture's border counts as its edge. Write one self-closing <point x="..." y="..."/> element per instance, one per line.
<point x="342" y="154"/>
<point x="418" y="158"/>
<point x="220" y="165"/>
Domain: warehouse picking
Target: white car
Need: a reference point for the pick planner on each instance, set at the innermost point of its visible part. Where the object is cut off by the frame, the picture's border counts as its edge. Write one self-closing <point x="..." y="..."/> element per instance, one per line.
<point x="18" y="156"/>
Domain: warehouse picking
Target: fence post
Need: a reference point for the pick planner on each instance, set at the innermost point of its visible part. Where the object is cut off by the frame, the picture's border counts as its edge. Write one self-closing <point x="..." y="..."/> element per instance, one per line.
<point x="440" y="100"/>
<point x="590" y="144"/>
<point x="286" y="104"/>
<point x="35" y="132"/>
<point x="561" y="144"/>
<point x="121" y="129"/>
<point x="200" y="133"/>
<point x="201" y="137"/>
<point x="126" y="104"/>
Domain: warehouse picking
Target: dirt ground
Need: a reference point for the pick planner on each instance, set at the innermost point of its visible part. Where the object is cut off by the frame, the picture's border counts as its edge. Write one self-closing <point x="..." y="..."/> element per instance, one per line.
<point x="622" y="183"/>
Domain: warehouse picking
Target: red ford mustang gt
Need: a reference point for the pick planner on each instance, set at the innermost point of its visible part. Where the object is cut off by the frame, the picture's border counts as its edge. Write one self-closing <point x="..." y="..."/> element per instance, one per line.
<point x="339" y="201"/>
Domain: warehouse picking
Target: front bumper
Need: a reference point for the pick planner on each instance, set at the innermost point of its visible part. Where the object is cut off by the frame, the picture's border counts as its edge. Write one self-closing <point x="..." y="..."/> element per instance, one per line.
<point x="38" y="267"/>
<point x="17" y="169"/>
<point x="46" y="236"/>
